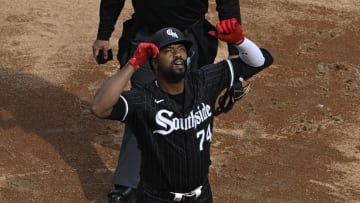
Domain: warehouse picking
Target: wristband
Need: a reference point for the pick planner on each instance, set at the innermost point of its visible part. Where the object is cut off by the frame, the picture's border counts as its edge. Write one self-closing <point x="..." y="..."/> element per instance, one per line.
<point x="238" y="43"/>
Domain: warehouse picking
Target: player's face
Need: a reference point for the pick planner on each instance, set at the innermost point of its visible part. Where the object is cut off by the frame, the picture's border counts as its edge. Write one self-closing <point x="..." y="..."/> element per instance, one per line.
<point x="172" y="64"/>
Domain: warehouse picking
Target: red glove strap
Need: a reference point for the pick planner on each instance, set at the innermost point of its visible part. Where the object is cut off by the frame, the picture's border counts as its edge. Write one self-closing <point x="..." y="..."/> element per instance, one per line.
<point x="240" y="41"/>
<point x="134" y="63"/>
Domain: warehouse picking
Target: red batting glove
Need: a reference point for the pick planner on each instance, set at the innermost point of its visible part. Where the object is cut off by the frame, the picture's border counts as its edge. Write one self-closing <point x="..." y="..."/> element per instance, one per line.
<point x="143" y="53"/>
<point x="228" y="31"/>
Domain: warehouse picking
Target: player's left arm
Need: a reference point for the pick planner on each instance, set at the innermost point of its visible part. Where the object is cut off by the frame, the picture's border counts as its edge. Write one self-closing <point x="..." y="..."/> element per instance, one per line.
<point x="253" y="59"/>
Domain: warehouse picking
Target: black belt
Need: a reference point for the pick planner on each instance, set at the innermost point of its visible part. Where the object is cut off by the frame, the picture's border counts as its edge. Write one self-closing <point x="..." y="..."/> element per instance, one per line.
<point x="176" y="196"/>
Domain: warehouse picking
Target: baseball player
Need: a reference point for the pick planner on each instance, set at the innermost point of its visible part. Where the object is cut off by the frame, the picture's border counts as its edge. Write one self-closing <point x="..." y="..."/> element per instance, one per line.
<point x="172" y="116"/>
<point x="148" y="17"/>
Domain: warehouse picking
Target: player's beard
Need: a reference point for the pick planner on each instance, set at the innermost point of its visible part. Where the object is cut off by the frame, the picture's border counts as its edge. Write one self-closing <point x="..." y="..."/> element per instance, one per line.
<point x="172" y="74"/>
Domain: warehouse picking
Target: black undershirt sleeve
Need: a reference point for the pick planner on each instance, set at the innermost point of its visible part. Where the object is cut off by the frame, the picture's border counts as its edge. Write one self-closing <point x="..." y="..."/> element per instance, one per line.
<point x="245" y="71"/>
<point x="109" y="13"/>
<point x="118" y="111"/>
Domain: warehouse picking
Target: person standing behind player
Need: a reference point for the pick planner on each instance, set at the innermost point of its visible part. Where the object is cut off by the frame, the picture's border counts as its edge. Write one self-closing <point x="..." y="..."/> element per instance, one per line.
<point x="172" y="116"/>
<point x="149" y="16"/>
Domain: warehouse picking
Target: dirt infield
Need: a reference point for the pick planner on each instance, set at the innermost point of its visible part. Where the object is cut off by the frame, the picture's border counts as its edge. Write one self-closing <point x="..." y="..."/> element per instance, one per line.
<point x="294" y="138"/>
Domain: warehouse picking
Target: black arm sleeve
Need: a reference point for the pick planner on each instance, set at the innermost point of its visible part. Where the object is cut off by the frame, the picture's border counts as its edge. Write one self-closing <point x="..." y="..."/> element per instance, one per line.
<point x="245" y="71"/>
<point x="109" y="13"/>
<point x="229" y="9"/>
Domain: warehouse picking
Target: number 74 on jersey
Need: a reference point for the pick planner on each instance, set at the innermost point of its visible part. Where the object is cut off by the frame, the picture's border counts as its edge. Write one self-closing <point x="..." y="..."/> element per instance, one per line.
<point x="204" y="135"/>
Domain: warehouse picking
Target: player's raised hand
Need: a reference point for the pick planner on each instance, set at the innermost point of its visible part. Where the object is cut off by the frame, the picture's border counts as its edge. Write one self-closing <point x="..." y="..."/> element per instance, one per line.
<point x="228" y="31"/>
<point x="142" y="54"/>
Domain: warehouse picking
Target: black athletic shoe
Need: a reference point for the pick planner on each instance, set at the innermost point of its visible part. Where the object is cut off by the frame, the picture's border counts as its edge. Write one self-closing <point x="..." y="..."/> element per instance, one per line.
<point x="122" y="194"/>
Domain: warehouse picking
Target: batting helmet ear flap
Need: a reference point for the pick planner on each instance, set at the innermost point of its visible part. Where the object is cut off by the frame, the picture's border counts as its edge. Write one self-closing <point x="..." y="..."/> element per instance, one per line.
<point x="188" y="60"/>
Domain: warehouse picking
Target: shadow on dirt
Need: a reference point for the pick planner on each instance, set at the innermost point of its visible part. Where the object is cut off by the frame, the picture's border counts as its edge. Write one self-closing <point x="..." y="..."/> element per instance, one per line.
<point x="60" y="118"/>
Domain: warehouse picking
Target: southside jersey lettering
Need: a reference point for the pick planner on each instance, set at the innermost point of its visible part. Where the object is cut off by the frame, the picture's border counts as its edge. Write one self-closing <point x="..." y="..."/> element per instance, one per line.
<point x="164" y="119"/>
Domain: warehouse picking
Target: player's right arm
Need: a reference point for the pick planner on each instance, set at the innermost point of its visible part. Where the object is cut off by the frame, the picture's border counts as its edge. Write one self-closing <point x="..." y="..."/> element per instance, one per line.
<point x="109" y="93"/>
<point x="109" y="13"/>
